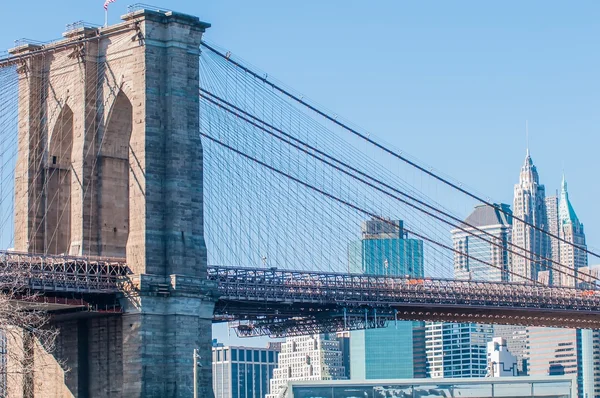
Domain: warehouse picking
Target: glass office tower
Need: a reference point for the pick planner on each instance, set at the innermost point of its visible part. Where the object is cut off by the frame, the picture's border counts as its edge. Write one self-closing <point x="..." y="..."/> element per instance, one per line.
<point x="396" y="351"/>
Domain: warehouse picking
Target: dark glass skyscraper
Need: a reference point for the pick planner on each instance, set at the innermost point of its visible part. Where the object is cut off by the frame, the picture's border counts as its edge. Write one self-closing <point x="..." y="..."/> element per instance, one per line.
<point x="396" y="351"/>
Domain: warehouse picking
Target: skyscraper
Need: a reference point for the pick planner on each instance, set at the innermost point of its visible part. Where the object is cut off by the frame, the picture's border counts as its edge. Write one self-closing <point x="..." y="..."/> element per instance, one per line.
<point x="530" y="238"/>
<point x="481" y="244"/>
<point x="563" y="222"/>
<point x="344" y="339"/>
<point x="474" y="252"/>
<point x="478" y="259"/>
<point x="316" y="357"/>
<point x="589" y="383"/>
<point x="457" y="349"/>
<point x="572" y="255"/>
<point x="398" y="350"/>
<point x="566" y="351"/>
<point x="242" y="372"/>
<point x="553" y="230"/>
<point x="575" y="352"/>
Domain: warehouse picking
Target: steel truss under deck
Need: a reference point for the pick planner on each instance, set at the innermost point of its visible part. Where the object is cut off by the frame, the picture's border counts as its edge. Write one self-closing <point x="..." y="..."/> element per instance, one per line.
<point x="283" y="302"/>
<point x="49" y="273"/>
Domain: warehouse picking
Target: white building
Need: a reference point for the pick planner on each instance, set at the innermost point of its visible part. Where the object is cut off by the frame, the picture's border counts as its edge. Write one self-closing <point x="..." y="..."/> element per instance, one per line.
<point x="316" y="357"/>
<point x="501" y="363"/>
<point x="516" y="342"/>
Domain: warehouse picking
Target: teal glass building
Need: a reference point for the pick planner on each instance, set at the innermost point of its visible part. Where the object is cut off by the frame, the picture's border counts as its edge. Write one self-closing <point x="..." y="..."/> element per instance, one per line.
<point x="397" y="351"/>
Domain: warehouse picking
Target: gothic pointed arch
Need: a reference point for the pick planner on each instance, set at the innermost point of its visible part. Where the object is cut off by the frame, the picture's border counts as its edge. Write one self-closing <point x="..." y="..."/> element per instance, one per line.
<point x="113" y="178"/>
<point x="57" y="184"/>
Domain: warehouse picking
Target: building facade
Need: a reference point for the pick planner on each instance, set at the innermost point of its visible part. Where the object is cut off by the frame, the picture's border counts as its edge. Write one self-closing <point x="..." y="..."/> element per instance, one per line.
<point x="530" y="239"/>
<point x="553" y="230"/>
<point x="572" y="255"/>
<point x="481" y="253"/>
<point x="589" y="381"/>
<point x="316" y="357"/>
<point x="566" y="351"/>
<point x="457" y="349"/>
<point x="571" y="352"/>
<point x="398" y="350"/>
<point x="501" y="362"/>
<point x="243" y="372"/>
<point x="484" y="239"/>
<point x="516" y="343"/>
<point x="344" y="339"/>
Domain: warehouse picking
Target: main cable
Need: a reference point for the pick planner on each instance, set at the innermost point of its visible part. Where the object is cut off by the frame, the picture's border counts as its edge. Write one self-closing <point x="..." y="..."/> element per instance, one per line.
<point x="353" y="206"/>
<point x="390" y="151"/>
<point x="256" y="124"/>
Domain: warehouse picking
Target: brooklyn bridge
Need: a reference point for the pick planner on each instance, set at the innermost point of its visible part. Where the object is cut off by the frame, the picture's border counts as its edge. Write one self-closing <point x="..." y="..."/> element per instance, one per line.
<point x="153" y="184"/>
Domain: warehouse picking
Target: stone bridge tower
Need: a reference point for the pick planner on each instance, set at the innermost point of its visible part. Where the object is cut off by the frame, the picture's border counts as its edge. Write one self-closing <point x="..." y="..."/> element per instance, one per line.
<point x="110" y="164"/>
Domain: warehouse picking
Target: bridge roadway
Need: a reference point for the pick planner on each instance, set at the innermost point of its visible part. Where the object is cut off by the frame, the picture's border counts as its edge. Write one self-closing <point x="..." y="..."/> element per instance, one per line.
<point x="283" y="302"/>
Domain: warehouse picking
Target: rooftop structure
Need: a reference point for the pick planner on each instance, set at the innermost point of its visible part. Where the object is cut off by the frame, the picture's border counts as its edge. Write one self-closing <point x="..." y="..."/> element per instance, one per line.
<point x="542" y="387"/>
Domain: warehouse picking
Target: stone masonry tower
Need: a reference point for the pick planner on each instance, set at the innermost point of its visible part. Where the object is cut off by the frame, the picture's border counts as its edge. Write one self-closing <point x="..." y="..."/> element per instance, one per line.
<point x="110" y="164"/>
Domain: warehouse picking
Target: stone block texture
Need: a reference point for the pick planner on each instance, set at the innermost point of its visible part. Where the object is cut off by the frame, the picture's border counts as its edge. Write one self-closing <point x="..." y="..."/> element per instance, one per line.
<point x="110" y="164"/>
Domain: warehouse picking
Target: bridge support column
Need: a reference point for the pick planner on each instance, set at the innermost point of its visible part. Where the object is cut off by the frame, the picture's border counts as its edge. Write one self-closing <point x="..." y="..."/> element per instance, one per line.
<point x="163" y="325"/>
<point x="130" y="94"/>
<point x="170" y="310"/>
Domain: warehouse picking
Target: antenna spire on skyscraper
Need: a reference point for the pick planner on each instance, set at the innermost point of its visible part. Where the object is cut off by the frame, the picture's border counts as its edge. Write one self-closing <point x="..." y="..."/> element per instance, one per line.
<point x="527" y="135"/>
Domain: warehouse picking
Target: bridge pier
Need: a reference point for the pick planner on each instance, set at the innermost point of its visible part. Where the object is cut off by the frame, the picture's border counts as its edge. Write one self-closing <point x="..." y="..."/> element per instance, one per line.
<point x="160" y="325"/>
<point x="110" y="164"/>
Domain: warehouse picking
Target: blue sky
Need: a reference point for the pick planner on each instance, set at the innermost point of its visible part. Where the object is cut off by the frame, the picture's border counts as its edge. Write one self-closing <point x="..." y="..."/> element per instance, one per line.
<point x="450" y="83"/>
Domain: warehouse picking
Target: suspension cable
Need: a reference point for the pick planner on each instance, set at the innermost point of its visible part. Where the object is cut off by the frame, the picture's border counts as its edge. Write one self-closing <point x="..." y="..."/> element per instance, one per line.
<point x="390" y="151"/>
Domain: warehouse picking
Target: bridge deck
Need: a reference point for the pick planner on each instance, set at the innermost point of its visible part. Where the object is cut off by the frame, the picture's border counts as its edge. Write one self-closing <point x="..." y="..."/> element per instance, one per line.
<point x="346" y="301"/>
<point x="275" y="299"/>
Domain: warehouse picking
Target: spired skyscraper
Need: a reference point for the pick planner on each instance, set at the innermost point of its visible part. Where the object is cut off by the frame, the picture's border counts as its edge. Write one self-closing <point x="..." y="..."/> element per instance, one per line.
<point x="563" y="222"/>
<point x="397" y="351"/>
<point x="566" y="351"/>
<point x="552" y="351"/>
<point x="530" y="237"/>
<point x="570" y="229"/>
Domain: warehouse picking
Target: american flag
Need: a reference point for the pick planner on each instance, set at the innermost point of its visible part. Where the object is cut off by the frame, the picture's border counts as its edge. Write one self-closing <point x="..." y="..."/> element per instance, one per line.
<point x="107" y="2"/>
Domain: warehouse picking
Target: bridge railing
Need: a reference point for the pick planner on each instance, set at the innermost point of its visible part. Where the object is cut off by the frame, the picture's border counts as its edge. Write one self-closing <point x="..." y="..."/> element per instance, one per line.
<point x="61" y="273"/>
<point x="367" y="290"/>
<point x="142" y="6"/>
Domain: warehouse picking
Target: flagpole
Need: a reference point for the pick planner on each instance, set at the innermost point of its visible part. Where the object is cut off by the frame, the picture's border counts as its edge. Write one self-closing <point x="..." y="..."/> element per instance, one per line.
<point x="105" y="17"/>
